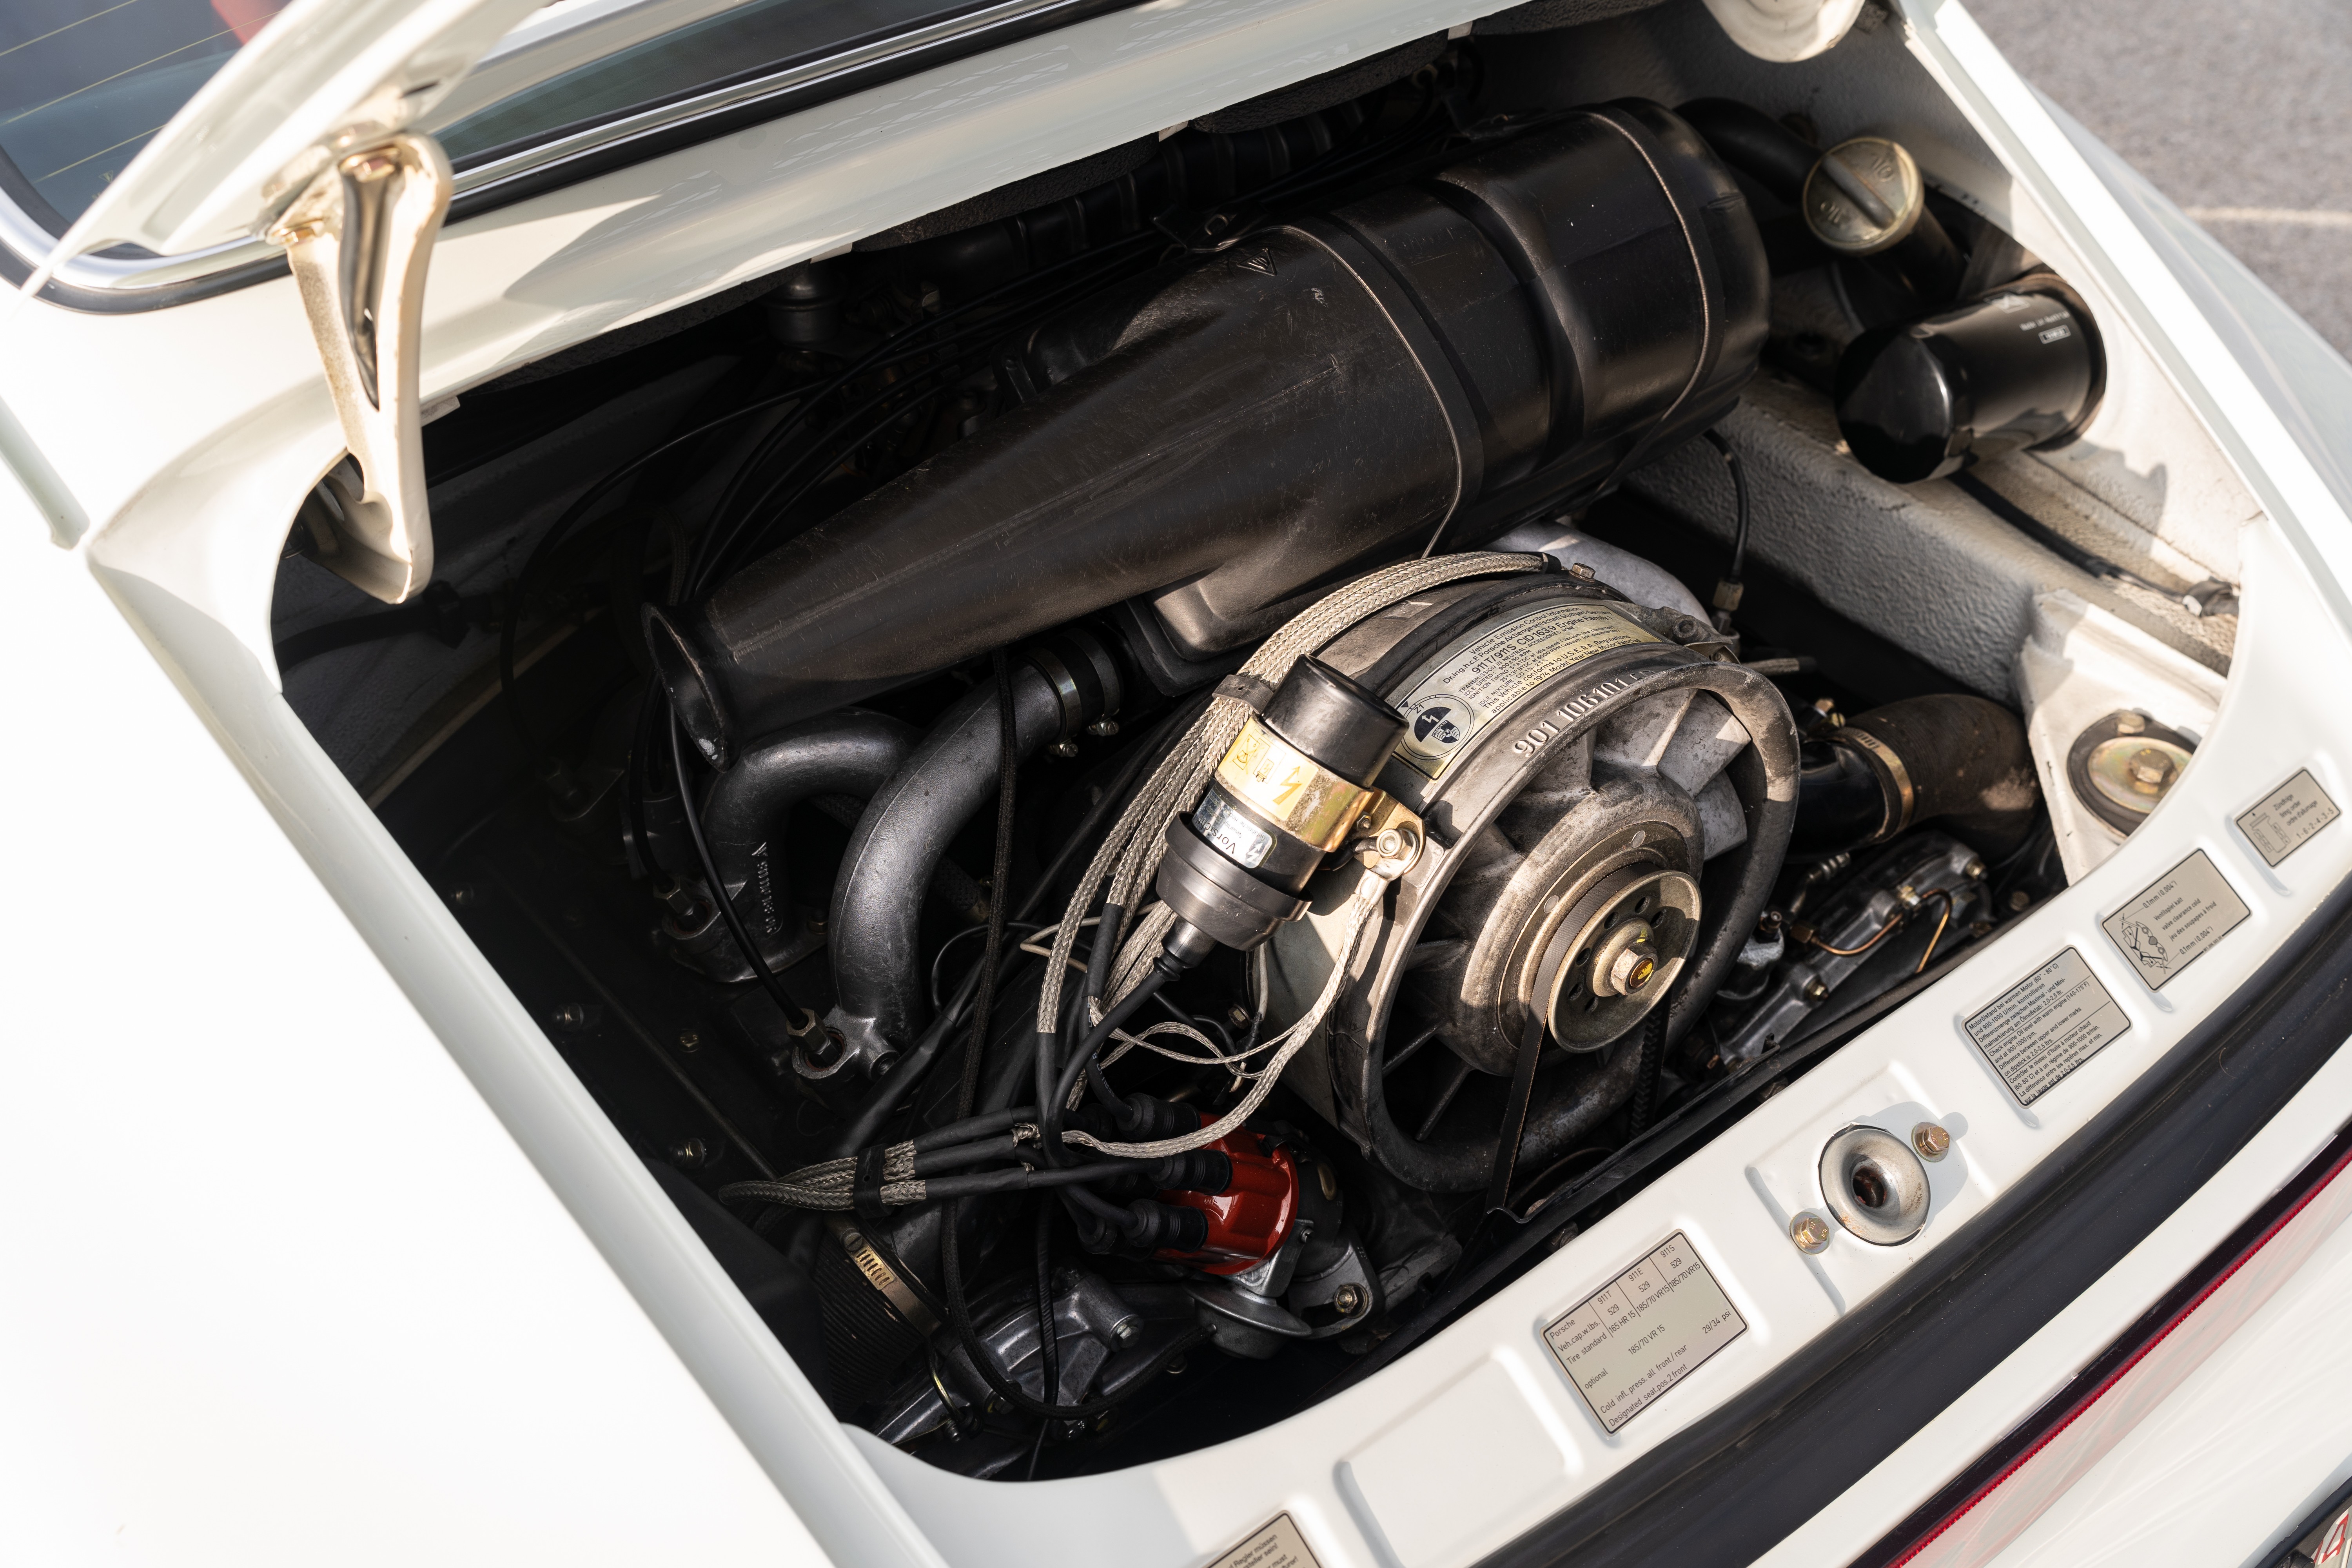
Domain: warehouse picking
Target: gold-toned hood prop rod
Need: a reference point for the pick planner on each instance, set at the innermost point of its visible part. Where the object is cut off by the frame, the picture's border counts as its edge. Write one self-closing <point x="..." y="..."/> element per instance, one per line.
<point x="359" y="239"/>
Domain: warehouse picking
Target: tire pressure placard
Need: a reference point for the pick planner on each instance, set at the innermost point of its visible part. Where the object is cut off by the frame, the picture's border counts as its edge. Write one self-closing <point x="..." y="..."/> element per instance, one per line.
<point x="1645" y="1331"/>
<point x="2046" y="1026"/>
<point x="2176" y="919"/>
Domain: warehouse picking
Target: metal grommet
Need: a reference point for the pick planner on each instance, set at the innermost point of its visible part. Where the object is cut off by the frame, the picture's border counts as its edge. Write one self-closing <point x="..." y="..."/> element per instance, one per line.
<point x="1875" y="1185"/>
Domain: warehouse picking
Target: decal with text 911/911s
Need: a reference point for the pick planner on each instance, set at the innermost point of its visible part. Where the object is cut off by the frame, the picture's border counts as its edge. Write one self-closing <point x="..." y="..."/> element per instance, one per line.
<point x="2046" y="1026"/>
<point x="1643" y="1332"/>
<point x="1482" y="674"/>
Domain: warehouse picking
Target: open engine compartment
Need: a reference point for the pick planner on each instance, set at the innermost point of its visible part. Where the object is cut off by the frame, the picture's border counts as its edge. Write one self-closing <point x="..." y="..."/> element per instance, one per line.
<point x="1289" y="654"/>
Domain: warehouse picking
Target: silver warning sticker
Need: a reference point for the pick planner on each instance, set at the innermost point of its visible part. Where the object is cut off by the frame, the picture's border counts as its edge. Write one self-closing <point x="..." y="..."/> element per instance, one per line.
<point x="1646" y="1331"/>
<point x="1235" y="837"/>
<point x="1483" y="674"/>
<point x="2175" y="919"/>
<point x="2283" y="821"/>
<point x="1278" y="1545"/>
<point x="2046" y="1026"/>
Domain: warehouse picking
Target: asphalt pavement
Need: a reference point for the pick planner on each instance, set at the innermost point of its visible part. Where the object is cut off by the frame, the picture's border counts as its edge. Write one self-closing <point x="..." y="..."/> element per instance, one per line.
<point x="2240" y="111"/>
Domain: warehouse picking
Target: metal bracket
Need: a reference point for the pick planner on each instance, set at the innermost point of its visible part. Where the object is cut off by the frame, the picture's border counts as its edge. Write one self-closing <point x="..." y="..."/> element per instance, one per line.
<point x="1389" y="837"/>
<point x="359" y="239"/>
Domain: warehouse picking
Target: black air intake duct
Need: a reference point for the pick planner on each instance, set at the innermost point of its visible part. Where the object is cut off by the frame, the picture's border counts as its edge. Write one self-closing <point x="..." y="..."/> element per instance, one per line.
<point x="1515" y="330"/>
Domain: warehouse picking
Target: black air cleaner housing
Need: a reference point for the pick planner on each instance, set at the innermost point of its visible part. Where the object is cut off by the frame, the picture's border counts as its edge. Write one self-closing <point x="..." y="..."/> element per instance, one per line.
<point x="1321" y="395"/>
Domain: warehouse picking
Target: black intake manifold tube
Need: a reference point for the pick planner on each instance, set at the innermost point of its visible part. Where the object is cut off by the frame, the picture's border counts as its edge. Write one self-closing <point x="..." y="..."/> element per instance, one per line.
<point x="1346" y="388"/>
<point x="852" y="752"/>
<point x="1959" y="762"/>
<point x="1058" y="688"/>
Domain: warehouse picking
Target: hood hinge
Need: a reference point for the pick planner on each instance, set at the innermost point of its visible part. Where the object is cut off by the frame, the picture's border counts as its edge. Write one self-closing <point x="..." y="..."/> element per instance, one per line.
<point x="359" y="239"/>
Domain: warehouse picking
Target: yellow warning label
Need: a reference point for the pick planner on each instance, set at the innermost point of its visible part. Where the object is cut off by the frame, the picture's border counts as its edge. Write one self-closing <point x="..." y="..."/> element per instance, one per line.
<point x="1483" y="674"/>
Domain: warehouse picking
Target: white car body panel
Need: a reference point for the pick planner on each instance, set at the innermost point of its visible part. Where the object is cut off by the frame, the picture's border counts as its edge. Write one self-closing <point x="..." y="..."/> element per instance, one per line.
<point x="2259" y="1434"/>
<point x="560" y="1353"/>
<point x="279" y="1287"/>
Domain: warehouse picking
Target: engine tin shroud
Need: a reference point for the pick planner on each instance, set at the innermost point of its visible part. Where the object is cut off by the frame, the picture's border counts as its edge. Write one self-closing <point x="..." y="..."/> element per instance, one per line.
<point x="1342" y="1073"/>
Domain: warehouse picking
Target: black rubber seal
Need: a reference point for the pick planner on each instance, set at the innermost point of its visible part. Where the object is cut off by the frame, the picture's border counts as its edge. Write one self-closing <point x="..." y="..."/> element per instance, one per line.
<point x="1743" y="1478"/>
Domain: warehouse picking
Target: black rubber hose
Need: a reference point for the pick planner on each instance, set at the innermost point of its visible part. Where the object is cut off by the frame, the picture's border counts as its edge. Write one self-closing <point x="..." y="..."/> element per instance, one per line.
<point x="1739" y="503"/>
<point x="980" y="1126"/>
<point x="987" y="1183"/>
<point x="938" y="1161"/>
<point x="1051" y="1091"/>
<point x="1966" y="762"/>
<point x="1755" y="143"/>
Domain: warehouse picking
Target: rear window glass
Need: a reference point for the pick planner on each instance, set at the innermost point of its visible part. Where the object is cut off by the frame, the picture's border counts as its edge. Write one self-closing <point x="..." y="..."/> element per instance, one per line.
<point x="85" y="84"/>
<point x="536" y="97"/>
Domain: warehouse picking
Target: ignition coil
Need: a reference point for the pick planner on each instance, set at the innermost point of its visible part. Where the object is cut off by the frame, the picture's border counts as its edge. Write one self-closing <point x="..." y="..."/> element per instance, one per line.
<point x="1295" y="786"/>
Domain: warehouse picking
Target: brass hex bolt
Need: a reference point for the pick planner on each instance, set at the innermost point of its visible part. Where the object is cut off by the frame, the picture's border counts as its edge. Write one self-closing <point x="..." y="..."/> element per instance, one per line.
<point x="1810" y="1231"/>
<point x="2151" y="770"/>
<point x="1931" y="1140"/>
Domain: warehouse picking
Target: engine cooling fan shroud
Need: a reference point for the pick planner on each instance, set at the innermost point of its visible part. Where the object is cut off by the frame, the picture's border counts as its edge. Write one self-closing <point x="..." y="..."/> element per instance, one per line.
<point x="1582" y="745"/>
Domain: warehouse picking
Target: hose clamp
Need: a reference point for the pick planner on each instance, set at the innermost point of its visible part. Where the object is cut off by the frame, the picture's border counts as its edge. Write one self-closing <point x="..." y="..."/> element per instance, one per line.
<point x="867" y="1260"/>
<point x="1904" y="800"/>
<point x="1066" y="688"/>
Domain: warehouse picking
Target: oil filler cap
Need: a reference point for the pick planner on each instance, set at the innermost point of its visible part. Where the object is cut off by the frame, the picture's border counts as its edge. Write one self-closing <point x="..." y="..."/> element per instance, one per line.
<point x="1875" y="1186"/>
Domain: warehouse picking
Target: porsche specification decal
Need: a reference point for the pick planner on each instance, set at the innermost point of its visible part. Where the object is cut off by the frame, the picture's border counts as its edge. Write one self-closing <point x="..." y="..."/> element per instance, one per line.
<point x="1645" y="1332"/>
<point x="1482" y="674"/>
<point x="2175" y="919"/>
<point x="2283" y="821"/>
<point x="2046" y="1026"/>
<point x="1277" y="1545"/>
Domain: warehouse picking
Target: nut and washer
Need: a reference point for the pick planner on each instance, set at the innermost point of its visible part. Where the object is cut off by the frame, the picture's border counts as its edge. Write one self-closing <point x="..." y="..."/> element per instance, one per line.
<point x="1810" y="1231"/>
<point x="1931" y="1141"/>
